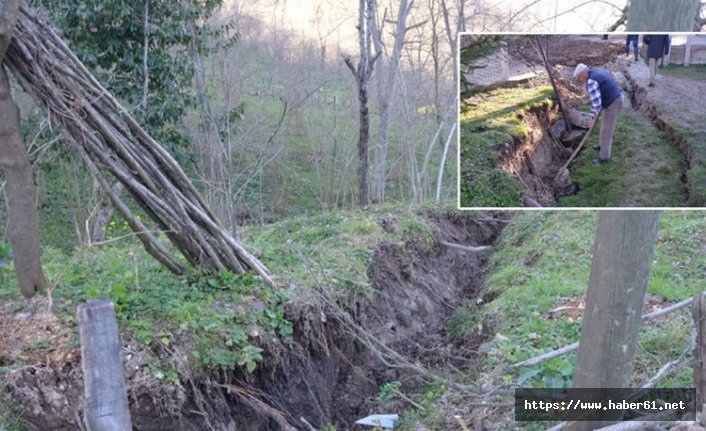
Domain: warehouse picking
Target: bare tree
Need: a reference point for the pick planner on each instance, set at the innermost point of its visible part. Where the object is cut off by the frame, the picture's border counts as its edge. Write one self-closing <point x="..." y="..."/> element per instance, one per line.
<point x="622" y="255"/>
<point x="386" y="89"/>
<point x="22" y="221"/>
<point x="362" y="74"/>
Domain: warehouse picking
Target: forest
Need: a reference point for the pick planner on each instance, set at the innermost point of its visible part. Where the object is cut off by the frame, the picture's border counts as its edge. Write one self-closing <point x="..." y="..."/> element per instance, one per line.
<point x="231" y="215"/>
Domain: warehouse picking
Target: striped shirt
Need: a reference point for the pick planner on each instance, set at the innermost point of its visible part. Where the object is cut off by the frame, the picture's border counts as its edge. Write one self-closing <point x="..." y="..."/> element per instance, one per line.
<point x="595" y="93"/>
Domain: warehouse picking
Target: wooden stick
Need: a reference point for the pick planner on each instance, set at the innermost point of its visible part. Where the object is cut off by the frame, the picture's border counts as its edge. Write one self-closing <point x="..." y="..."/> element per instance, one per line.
<point x="576" y="151"/>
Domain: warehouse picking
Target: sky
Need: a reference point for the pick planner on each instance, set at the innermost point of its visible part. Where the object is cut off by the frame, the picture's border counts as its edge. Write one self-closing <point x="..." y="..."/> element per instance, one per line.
<point x="334" y="22"/>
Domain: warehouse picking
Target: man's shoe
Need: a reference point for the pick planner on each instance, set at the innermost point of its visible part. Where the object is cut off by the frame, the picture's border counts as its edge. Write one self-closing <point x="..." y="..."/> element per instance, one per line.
<point x="596" y="147"/>
<point x="599" y="161"/>
<point x="651" y="84"/>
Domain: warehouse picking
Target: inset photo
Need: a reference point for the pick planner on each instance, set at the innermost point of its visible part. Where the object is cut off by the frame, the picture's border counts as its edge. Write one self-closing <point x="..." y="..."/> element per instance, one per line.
<point x="582" y="121"/>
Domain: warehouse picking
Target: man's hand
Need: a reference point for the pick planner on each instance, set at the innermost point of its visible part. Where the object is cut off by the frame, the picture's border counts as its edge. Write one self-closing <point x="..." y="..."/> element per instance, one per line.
<point x="591" y="123"/>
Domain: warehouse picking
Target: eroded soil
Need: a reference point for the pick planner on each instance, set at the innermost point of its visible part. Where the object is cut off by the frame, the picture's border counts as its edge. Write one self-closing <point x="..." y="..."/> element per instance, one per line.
<point x="328" y="374"/>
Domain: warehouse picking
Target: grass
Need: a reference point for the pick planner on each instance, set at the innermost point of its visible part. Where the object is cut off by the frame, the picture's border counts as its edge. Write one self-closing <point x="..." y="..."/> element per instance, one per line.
<point x="225" y="320"/>
<point x="545" y="259"/>
<point x="542" y="261"/>
<point x="696" y="72"/>
<point x="644" y="170"/>
<point x="693" y="131"/>
<point x="490" y="123"/>
<point x="10" y="415"/>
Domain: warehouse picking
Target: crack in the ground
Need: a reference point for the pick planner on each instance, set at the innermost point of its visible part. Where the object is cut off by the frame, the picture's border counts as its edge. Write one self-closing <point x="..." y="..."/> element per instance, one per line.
<point x="640" y="102"/>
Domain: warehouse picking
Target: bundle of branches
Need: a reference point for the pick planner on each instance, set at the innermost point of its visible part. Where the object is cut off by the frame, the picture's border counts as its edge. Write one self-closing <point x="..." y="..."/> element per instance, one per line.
<point x="110" y="141"/>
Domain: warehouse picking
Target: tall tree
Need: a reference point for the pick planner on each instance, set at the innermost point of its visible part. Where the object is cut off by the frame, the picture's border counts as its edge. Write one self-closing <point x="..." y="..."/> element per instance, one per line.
<point x="362" y="74"/>
<point x="622" y="255"/>
<point x="22" y="220"/>
<point x="387" y="74"/>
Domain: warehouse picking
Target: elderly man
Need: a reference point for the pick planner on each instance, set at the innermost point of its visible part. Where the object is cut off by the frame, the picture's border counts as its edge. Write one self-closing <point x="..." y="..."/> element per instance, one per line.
<point x="606" y="95"/>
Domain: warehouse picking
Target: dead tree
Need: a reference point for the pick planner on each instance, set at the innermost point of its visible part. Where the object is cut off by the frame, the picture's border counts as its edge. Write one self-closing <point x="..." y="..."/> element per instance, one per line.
<point x="22" y="220"/>
<point x="111" y="141"/>
<point x="622" y="255"/>
<point x="362" y="74"/>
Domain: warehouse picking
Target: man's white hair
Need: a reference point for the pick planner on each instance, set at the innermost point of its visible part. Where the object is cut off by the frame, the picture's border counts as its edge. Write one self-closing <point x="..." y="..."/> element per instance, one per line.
<point x="579" y="69"/>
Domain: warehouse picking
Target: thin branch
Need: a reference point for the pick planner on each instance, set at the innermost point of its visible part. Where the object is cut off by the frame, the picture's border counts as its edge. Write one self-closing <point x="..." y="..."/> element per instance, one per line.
<point x="472" y="249"/>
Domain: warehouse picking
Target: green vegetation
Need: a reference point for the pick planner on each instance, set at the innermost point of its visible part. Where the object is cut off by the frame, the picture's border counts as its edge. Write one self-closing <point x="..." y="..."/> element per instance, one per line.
<point x="543" y="262"/>
<point x="696" y="72"/>
<point x="117" y="56"/>
<point x="10" y="415"/>
<point x="226" y="320"/>
<point x="688" y="126"/>
<point x="490" y="124"/>
<point x="538" y="277"/>
<point x="644" y="170"/>
<point x="684" y="112"/>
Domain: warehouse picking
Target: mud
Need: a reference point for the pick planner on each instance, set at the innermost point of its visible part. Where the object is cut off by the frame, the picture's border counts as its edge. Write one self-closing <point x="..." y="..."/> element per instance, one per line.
<point x="326" y="375"/>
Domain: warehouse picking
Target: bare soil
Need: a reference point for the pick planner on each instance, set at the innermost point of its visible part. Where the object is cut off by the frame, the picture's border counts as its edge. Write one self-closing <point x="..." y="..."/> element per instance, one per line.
<point x="327" y="375"/>
<point x="569" y="50"/>
<point x="537" y="159"/>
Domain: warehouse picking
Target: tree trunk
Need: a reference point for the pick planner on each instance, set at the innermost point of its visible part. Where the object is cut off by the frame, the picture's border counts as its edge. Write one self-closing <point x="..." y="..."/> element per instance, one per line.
<point x="22" y="221"/>
<point x="386" y="91"/>
<point x="8" y="17"/>
<point x="622" y="256"/>
<point x="362" y="75"/>
<point x="661" y="16"/>
<point x="363" y="140"/>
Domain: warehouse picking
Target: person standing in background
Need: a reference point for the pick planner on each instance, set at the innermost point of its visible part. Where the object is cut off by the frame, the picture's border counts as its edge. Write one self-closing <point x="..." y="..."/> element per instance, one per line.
<point x="631" y="39"/>
<point x="657" y="47"/>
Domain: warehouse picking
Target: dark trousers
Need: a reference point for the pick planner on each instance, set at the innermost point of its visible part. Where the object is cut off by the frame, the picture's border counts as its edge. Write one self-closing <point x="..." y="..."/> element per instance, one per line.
<point x="631" y="38"/>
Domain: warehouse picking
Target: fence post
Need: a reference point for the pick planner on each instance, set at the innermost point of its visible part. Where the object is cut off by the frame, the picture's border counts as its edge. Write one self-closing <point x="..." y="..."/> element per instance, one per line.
<point x="687" y="52"/>
<point x="104" y="383"/>
<point x="698" y="310"/>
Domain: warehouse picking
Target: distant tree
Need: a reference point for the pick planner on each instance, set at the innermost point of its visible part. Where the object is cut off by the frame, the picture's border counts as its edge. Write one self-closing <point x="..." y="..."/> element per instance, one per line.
<point x="362" y="73"/>
<point x="387" y="73"/>
<point x="23" y="226"/>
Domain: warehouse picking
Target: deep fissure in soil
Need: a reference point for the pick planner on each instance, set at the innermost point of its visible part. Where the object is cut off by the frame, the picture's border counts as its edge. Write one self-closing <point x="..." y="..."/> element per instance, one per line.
<point x="327" y="374"/>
